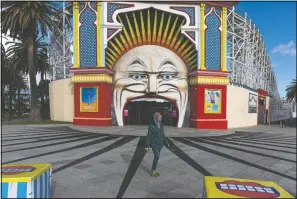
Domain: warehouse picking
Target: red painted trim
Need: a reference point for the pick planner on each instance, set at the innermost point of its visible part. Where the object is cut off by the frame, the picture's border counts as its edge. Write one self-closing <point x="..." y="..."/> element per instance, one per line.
<point x="104" y="101"/>
<point x="92" y="70"/>
<point x="109" y="35"/>
<point x="262" y="92"/>
<point x="209" y="124"/>
<point x="209" y="73"/>
<point x="90" y="122"/>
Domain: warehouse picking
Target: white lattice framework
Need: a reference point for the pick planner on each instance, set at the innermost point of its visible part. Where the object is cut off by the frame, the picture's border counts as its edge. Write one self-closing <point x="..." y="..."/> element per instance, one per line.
<point x="60" y="44"/>
<point x="247" y="56"/>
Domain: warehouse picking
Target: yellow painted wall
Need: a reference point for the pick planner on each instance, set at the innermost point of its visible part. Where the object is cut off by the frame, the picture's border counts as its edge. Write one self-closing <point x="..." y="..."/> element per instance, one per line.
<point x="61" y="100"/>
<point x="237" y="108"/>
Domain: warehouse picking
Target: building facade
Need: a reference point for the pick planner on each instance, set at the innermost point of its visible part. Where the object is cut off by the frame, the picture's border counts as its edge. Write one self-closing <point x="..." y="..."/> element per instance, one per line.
<point x="133" y="59"/>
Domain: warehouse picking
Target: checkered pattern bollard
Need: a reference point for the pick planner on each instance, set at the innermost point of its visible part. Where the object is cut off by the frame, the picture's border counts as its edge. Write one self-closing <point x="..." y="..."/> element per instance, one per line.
<point x="26" y="181"/>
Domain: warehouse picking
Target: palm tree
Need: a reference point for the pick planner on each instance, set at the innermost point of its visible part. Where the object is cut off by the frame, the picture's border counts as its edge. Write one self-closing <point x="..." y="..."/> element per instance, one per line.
<point x="11" y="78"/>
<point x="23" y="19"/>
<point x="18" y="56"/>
<point x="291" y="91"/>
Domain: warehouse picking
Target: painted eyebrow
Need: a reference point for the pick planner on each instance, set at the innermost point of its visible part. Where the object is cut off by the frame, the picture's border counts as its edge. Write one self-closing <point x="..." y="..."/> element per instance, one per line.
<point x="137" y="61"/>
<point x="167" y="61"/>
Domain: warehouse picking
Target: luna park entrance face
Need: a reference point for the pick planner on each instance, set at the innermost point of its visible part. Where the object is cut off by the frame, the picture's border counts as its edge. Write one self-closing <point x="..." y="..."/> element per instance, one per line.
<point x="141" y="113"/>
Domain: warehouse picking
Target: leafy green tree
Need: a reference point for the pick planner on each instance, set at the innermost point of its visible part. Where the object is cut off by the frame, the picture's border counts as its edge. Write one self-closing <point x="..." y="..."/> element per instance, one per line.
<point x="24" y="19"/>
<point x="291" y="91"/>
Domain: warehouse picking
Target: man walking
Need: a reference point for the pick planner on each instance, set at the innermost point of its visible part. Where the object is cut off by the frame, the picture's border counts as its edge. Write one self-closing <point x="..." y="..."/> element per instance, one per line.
<point x="156" y="139"/>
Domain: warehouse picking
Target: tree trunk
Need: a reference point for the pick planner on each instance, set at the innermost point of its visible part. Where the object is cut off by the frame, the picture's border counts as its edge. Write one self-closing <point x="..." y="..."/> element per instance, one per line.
<point x="41" y="87"/>
<point x="19" y="103"/>
<point x="2" y="101"/>
<point x="10" y="102"/>
<point x="31" y="53"/>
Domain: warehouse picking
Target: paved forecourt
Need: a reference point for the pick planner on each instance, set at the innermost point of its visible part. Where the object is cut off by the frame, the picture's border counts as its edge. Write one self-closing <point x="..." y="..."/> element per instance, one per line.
<point x="112" y="162"/>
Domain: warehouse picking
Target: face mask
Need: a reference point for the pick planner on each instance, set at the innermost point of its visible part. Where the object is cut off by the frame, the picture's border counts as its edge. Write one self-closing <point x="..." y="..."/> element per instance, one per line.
<point x="159" y="118"/>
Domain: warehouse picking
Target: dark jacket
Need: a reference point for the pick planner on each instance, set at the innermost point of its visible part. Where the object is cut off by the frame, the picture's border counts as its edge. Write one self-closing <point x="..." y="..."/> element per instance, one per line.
<point x="156" y="137"/>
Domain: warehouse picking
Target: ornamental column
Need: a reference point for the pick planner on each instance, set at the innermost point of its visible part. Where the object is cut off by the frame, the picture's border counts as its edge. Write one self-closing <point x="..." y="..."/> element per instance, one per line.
<point x="92" y="80"/>
<point x="208" y="84"/>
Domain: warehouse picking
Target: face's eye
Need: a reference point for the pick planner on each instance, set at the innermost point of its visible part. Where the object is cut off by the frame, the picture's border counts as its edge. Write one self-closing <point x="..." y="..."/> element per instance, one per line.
<point x="167" y="76"/>
<point x="138" y="76"/>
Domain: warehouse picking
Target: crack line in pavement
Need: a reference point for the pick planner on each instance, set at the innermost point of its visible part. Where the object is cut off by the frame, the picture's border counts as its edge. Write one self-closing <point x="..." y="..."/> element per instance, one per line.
<point x="112" y="146"/>
<point x="56" y="143"/>
<point x="182" y="155"/>
<point x="255" y="142"/>
<point x="66" y="149"/>
<point x="134" y="164"/>
<point x="239" y="149"/>
<point x="197" y="146"/>
<point x="252" y="146"/>
<point x="45" y="140"/>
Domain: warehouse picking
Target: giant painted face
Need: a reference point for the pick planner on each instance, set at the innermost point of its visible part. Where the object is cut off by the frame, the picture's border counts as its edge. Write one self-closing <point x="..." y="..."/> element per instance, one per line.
<point x="150" y="71"/>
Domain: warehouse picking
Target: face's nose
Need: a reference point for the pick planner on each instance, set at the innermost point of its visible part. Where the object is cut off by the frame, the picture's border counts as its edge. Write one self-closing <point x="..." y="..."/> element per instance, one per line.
<point x="152" y="83"/>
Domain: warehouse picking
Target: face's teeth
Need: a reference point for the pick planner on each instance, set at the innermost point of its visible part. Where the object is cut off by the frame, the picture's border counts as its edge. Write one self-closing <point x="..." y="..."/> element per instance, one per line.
<point x="149" y="100"/>
<point x="246" y="188"/>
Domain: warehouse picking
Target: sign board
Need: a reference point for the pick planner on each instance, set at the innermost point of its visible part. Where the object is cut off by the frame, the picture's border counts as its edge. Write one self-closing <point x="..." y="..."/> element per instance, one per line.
<point x="26" y="181"/>
<point x="126" y="113"/>
<point x="224" y="187"/>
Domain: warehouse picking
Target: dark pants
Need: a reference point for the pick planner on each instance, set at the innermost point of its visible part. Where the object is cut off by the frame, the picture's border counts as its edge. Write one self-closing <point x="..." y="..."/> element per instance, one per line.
<point x="156" y="152"/>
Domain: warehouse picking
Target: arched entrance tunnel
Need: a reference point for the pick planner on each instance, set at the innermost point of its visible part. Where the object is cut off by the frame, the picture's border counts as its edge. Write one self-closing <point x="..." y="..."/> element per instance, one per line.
<point x="140" y="112"/>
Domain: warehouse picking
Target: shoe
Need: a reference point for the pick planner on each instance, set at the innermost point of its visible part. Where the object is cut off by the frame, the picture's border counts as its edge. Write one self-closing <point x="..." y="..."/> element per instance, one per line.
<point x="154" y="173"/>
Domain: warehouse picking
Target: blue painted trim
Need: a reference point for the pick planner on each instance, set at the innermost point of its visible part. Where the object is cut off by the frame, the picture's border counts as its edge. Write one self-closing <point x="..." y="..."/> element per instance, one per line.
<point x="4" y="189"/>
<point x="41" y="187"/>
<point x="22" y="190"/>
<point x="35" y="188"/>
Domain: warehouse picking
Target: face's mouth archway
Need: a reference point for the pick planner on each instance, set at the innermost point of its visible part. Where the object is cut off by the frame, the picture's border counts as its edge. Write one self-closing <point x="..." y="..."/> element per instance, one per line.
<point x="141" y="109"/>
<point x="150" y="71"/>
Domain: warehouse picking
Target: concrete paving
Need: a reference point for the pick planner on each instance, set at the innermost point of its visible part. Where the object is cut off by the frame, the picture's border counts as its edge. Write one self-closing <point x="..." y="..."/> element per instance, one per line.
<point x="111" y="162"/>
<point x="142" y="131"/>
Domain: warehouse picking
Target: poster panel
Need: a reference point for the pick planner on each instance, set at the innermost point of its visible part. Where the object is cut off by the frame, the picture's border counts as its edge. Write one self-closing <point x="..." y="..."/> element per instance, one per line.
<point x="253" y="103"/>
<point x="212" y="101"/>
<point x="88" y="99"/>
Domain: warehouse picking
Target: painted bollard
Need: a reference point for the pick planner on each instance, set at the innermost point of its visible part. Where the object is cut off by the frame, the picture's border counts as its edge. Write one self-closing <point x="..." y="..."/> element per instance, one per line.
<point x="26" y="181"/>
<point x="224" y="187"/>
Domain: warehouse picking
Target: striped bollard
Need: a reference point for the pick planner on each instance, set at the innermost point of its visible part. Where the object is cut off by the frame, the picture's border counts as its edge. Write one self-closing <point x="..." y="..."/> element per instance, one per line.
<point x="26" y="180"/>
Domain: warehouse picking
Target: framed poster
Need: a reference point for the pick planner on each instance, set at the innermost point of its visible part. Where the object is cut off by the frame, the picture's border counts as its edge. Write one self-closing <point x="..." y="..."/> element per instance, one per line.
<point x="252" y="103"/>
<point x="212" y="101"/>
<point x="88" y="99"/>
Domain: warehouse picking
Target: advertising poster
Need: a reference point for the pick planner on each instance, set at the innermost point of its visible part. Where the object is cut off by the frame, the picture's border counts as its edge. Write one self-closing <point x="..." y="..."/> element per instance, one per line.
<point x="212" y="100"/>
<point x="88" y="99"/>
<point x="253" y="103"/>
